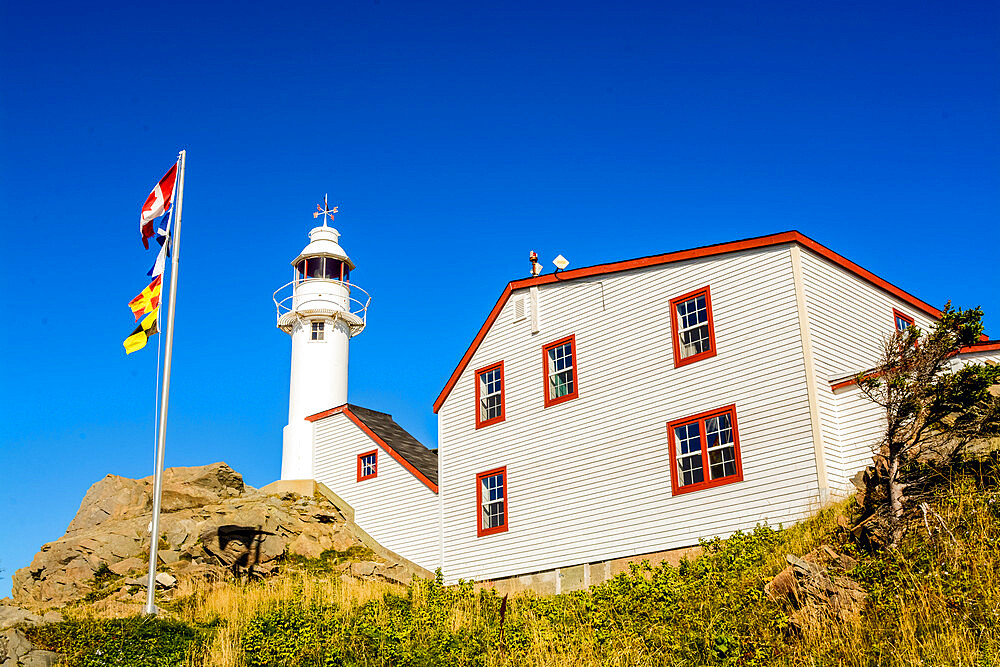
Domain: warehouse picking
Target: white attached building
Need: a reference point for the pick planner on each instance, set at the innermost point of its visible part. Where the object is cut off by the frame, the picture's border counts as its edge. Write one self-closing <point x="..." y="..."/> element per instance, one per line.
<point x="633" y="408"/>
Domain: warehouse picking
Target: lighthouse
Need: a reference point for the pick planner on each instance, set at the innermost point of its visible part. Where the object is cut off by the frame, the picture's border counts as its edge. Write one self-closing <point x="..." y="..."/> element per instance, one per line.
<point x="321" y="309"/>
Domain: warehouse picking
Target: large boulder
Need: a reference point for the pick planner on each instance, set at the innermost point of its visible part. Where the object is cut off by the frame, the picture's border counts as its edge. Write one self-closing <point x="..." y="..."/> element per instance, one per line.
<point x="116" y="498"/>
<point x="211" y="525"/>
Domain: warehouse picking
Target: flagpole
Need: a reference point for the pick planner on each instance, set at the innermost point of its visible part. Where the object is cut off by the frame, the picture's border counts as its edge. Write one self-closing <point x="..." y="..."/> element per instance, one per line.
<point x="161" y="437"/>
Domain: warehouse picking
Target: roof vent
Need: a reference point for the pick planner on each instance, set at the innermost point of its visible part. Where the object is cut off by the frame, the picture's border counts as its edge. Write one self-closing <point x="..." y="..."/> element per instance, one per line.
<point x="520" y="312"/>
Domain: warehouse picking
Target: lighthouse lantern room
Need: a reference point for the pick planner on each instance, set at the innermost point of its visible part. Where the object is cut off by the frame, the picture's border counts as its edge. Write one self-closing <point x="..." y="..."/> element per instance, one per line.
<point x="322" y="310"/>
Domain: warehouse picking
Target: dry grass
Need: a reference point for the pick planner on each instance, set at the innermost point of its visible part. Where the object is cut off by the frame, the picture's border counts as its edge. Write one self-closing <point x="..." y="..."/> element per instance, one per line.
<point x="935" y="601"/>
<point x="230" y="605"/>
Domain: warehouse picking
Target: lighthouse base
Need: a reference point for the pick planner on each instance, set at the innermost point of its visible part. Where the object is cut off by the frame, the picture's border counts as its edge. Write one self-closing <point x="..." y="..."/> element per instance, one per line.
<point x="296" y="451"/>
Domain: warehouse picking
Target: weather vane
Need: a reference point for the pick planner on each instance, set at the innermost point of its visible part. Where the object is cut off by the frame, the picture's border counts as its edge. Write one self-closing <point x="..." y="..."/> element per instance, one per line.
<point x="324" y="210"/>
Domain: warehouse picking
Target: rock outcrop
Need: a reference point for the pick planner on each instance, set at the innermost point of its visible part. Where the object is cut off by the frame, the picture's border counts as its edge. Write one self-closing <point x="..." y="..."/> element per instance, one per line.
<point x="814" y="589"/>
<point x="15" y="648"/>
<point x="212" y="525"/>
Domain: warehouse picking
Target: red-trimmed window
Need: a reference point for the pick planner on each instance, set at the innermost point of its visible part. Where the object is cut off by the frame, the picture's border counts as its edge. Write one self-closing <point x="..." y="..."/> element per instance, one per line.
<point x="491" y="500"/>
<point x="559" y="359"/>
<point x="489" y="395"/>
<point x="902" y="320"/>
<point x="693" y="330"/>
<point x="705" y="450"/>
<point x="368" y="465"/>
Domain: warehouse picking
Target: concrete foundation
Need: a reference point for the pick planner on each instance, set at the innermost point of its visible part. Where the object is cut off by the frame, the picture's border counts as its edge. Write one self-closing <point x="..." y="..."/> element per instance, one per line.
<point x="580" y="577"/>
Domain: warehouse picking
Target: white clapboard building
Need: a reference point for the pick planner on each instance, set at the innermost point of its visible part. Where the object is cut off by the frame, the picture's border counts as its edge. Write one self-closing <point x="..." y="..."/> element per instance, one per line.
<point x="609" y="412"/>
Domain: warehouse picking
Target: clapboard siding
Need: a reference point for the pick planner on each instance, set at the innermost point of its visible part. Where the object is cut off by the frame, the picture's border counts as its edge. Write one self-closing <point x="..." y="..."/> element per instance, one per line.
<point x="589" y="479"/>
<point x="849" y="318"/>
<point x="990" y="357"/>
<point x="862" y="423"/>
<point x="394" y="507"/>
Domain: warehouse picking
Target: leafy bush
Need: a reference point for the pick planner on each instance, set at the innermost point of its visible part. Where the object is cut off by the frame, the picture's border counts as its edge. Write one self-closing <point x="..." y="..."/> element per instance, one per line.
<point x="137" y="641"/>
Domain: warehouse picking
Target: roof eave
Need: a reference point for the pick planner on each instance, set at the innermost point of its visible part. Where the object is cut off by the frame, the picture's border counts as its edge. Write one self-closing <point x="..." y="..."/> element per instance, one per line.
<point x="669" y="258"/>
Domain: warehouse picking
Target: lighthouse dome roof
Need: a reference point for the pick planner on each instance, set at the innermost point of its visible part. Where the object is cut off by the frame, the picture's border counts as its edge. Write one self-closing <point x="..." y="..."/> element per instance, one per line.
<point x="323" y="242"/>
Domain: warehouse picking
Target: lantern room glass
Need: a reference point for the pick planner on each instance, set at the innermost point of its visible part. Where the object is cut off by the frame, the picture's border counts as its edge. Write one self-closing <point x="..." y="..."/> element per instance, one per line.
<point x="324" y="268"/>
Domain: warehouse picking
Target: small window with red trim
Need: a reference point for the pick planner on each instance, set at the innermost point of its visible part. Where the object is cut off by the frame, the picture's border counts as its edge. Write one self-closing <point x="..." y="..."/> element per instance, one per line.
<point x="902" y="320"/>
<point x="693" y="329"/>
<point x="705" y="450"/>
<point x="560" y="370"/>
<point x="491" y="497"/>
<point x="367" y="465"/>
<point x="489" y="395"/>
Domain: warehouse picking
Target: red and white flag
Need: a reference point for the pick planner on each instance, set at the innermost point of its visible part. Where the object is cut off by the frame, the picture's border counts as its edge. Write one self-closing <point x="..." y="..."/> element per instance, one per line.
<point x="158" y="201"/>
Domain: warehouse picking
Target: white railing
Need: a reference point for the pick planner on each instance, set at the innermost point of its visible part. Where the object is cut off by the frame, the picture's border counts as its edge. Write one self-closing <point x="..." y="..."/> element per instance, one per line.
<point x="286" y="301"/>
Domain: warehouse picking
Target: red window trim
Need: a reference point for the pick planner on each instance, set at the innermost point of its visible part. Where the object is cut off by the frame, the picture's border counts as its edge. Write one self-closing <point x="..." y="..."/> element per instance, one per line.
<point x="503" y="390"/>
<point x="480" y="531"/>
<point x="571" y="339"/>
<point x="903" y="316"/>
<point x="678" y="362"/>
<point x="708" y="483"/>
<point x="374" y="474"/>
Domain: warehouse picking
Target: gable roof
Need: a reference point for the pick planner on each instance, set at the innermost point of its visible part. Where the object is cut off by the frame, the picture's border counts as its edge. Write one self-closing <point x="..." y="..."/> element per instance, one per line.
<point x="421" y="462"/>
<point x="669" y="258"/>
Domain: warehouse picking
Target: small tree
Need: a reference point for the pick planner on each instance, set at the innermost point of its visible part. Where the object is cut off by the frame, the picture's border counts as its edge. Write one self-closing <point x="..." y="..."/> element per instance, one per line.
<point x="932" y="410"/>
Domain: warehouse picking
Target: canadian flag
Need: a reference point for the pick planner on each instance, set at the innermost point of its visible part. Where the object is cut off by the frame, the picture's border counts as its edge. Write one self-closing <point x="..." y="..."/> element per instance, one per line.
<point x="157" y="203"/>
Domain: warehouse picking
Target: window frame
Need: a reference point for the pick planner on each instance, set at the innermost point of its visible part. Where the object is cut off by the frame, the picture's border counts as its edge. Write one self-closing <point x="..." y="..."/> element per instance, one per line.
<point x="502" y="528"/>
<point x="675" y="333"/>
<point x="897" y="314"/>
<point x="313" y="330"/>
<point x="480" y="423"/>
<point x="571" y="339"/>
<point x="362" y="477"/>
<point x="701" y="418"/>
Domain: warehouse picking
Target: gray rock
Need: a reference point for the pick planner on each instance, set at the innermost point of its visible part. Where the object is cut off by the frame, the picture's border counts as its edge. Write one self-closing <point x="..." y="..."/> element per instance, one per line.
<point x="166" y="580"/>
<point x="17" y="644"/>
<point x="128" y="565"/>
<point x="168" y="557"/>
<point x="215" y="525"/>
<point x="10" y="616"/>
<point x="38" y="658"/>
<point x="363" y="569"/>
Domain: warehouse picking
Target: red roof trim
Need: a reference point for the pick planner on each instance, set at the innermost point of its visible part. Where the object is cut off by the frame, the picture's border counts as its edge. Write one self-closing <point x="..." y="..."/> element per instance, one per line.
<point x="379" y="441"/>
<point x="670" y="257"/>
<point x="985" y="346"/>
<point x="853" y="380"/>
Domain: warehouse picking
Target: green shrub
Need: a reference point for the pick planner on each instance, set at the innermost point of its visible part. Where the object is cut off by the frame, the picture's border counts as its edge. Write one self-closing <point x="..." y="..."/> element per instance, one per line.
<point x="136" y="641"/>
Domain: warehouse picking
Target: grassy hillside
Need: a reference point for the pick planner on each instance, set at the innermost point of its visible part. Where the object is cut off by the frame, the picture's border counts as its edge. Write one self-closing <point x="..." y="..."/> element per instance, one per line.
<point x="934" y="601"/>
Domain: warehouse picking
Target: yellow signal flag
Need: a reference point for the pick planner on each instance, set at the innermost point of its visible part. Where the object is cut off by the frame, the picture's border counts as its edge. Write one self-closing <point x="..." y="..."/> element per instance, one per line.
<point x="140" y="336"/>
<point x="147" y="300"/>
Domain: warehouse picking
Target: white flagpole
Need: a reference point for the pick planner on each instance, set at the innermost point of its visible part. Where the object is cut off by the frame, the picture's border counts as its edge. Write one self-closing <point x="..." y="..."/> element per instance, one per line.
<point x="161" y="437"/>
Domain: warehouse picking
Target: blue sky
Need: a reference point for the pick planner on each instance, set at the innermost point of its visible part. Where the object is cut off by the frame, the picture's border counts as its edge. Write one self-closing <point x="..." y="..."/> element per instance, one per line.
<point x="455" y="137"/>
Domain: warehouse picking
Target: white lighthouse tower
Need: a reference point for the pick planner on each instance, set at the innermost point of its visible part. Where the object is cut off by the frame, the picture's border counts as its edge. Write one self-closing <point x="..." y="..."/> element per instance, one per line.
<point x="322" y="310"/>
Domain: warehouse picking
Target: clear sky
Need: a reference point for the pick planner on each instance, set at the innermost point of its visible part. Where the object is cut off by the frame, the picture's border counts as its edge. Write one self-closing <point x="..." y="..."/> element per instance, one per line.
<point x="455" y="137"/>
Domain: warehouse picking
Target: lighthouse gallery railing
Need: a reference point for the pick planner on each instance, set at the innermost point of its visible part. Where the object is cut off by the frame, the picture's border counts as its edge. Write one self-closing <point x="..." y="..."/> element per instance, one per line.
<point x="287" y="302"/>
